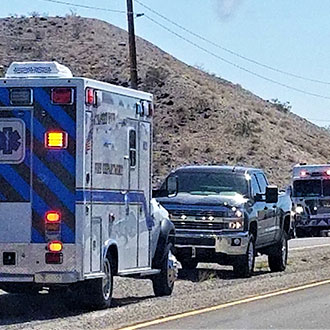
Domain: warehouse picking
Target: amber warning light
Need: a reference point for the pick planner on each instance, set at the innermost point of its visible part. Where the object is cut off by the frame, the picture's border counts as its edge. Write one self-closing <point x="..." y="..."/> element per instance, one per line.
<point x="55" y="246"/>
<point x="53" y="216"/>
<point x="56" y="140"/>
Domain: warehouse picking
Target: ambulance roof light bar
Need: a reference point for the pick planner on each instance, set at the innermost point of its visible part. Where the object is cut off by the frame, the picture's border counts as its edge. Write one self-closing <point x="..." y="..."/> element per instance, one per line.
<point x="38" y="70"/>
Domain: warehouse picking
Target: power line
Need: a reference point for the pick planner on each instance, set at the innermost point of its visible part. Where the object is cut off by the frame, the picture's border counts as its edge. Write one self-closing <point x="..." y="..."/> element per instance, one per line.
<point x="85" y="6"/>
<point x="234" y="64"/>
<point x="230" y="51"/>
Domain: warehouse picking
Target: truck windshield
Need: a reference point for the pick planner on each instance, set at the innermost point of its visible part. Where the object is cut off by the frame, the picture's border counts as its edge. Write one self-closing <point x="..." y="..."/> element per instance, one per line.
<point x="211" y="183"/>
<point x="307" y="188"/>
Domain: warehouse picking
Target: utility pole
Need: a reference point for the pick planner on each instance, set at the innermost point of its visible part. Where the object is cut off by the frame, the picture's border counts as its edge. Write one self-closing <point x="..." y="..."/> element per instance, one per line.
<point x="131" y="41"/>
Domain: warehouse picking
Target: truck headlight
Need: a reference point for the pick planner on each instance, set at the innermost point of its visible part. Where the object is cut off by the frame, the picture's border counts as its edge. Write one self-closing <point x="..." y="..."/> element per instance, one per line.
<point x="236" y="224"/>
<point x="299" y="209"/>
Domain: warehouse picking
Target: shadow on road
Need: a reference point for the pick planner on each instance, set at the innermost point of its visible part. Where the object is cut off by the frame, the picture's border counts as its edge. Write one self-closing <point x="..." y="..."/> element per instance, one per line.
<point x="204" y="274"/>
<point x="21" y="308"/>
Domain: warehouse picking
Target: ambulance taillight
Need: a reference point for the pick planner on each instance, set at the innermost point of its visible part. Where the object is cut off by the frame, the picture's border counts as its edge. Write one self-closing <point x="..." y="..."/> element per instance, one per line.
<point x="56" y="140"/>
<point x="53" y="216"/>
<point x="62" y="95"/>
<point x="53" y="258"/>
<point x="53" y="222"/>
<point x="90" y="97"/>
<point x="55" y="246"/>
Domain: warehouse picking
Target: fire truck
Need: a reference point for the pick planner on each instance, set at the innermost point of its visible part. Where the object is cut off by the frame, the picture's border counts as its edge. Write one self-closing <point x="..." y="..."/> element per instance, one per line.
<point x="75" y="186"/>
<point x="311" y="199"/>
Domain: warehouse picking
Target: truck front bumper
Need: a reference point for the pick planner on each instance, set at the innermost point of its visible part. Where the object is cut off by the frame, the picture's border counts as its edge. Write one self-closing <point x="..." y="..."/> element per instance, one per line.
<point x="229" y="243"/>
<point x="304" y="221"/>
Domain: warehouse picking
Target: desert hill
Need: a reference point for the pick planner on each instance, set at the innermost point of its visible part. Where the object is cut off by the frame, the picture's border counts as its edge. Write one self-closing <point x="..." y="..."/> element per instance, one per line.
<point x="199" y="119"/>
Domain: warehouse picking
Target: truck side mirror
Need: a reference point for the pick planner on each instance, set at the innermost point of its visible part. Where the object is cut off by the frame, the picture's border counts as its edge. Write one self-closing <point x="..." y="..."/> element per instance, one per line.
<point x="172" y="186"/>
<point x="271" y="194"/>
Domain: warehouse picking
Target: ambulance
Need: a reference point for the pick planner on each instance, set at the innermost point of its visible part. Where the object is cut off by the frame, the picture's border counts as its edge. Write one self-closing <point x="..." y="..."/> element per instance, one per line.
<point x="311" y="199"/>
<point x="75" y="186"/>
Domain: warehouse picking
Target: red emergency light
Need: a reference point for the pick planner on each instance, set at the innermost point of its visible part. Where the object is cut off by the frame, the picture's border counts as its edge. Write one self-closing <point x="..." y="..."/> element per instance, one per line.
<point x="62" y="95"/>
<point x="90" y="97"/>
<point x="303" y="173"/>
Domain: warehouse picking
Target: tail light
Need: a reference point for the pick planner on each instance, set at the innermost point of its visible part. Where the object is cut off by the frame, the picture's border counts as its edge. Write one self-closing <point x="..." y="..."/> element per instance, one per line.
<point x="53" y="216"/>
<point x="62" y="95"/>
<point x="90" y="96"/>
<point x="55" y="246"/>
<point x="53" y="258"/>
<point x="328" y="172"/>
<point x="56" y="140"/>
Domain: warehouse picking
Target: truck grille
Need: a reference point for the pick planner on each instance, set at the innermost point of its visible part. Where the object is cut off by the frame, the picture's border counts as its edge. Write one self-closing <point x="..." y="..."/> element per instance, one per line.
<point x="198" y="213"/>
<point x="202" y="225"/>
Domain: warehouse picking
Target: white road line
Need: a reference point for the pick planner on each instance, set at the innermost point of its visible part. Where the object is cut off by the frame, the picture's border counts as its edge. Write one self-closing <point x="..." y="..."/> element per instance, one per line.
<point x="308" y="247"/>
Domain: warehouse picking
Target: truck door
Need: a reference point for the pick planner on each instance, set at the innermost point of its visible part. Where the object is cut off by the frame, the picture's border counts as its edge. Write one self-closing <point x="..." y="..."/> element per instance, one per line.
<point x="265" y="212"/>
<point x="15" y="175"/>
<point x="271" y="211"/>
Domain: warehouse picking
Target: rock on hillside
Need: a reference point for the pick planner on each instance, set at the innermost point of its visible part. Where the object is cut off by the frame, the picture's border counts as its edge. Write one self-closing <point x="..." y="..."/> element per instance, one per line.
<point x="200" y="118"/>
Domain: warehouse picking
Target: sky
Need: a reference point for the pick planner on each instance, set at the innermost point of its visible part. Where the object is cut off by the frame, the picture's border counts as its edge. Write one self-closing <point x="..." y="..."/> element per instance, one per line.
<point x="291" y="36"/>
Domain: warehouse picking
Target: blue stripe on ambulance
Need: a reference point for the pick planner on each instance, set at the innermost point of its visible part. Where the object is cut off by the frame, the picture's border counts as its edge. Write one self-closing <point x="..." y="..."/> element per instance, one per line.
<point x="54" y="184"/>
<point x="63" y="157"/>
<point x="38" y="204"/>
<point x="56" y="112"/>
<point x="115" y="197"/>
<point x="39" y="132"/>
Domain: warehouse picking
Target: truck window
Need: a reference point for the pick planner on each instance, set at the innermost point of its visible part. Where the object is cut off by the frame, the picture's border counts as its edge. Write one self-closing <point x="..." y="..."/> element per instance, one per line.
<point x="132" y="147"/>
<point x="326" y="187"/>
<point x="262" y="182"/>
<point x="255" y="185"/>
<point x="211" y="183"/>
<point x="307" y="188"/>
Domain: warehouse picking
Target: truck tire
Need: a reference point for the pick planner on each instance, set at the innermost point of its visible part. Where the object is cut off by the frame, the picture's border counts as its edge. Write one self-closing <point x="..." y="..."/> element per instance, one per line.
<point x="244" y="265"/>
<point x="163" y="282"/>
<point x="189" y="263"/>
<point x="300" y="233"/>
<point x="278" y="259"/>
<point x="98" y="292"/>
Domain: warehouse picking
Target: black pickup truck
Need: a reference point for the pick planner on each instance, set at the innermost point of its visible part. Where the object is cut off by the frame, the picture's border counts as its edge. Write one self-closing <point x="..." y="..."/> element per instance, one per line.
<point x="227" y="215"/>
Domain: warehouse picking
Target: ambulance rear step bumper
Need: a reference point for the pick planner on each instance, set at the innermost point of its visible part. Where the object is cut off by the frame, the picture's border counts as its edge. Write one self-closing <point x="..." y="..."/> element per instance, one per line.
<point x="42" y="277"/>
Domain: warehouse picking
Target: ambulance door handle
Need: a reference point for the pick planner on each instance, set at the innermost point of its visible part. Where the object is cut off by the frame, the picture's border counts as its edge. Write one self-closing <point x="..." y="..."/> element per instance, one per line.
<point x="126" y="203"/>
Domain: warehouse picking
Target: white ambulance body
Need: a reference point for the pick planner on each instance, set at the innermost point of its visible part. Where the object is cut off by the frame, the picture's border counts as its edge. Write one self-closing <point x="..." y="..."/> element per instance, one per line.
<point x="75" y="185"/>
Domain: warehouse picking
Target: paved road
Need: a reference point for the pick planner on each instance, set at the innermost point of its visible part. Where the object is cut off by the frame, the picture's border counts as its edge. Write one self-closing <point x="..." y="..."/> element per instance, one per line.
<point x="306" y="309"/>
<point x="308" y="242"/>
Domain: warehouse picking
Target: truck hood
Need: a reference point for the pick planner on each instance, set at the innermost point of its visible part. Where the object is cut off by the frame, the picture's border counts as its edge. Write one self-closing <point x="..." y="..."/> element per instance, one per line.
<point x="228" y="200"/>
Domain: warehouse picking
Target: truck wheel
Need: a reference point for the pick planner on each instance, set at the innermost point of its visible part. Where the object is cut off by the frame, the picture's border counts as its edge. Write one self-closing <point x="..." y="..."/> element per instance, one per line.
<point x="99" y="291"/>
<point x="277" y="261"/>
<point x="300" y="233"/>
<point x="189" y="263"/>
<point x="163" y="282"/>
<point x="244" y="266"/>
